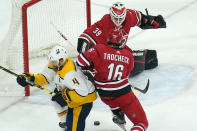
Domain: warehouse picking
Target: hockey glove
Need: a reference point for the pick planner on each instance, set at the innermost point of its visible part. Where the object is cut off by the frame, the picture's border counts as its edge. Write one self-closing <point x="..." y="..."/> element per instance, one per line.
<point x="151" y="22"/>
<point x="156" y="21"/>
<point x="58" y="98"/>
<point x="83" y="45"/>
<point x="22" y="79"/>
<point x="29" y="76"/>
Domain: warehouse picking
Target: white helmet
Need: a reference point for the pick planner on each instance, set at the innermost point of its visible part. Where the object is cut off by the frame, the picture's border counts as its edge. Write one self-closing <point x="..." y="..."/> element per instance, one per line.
<point x="118" y="13"/>
<point x="56" y="54"/>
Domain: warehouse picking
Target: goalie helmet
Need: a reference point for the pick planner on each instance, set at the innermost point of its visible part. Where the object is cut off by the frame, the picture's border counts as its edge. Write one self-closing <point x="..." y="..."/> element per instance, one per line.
<point x="118" y="13"/>
<point x="57" y="56"/>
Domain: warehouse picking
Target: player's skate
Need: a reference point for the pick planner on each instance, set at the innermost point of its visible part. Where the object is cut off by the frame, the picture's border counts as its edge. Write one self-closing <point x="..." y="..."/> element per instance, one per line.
<point x="120" y="120"/>
<point x="62" y="125"/>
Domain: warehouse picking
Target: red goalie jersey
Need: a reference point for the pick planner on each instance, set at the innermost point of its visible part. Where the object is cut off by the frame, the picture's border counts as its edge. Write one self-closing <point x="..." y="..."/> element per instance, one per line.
<point x="112" y="66"/>
<point x="98" y="32"/>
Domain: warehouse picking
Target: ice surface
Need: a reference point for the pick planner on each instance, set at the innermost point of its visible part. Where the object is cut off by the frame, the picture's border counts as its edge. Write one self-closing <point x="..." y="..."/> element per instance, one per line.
<point x="170" y="103"/>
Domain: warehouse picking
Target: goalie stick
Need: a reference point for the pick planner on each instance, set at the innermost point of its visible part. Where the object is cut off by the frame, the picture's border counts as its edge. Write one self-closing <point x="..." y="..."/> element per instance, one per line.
<point x="64" y="37"/>
<point x="29" y="82"/>
<point x="143" y="90"/>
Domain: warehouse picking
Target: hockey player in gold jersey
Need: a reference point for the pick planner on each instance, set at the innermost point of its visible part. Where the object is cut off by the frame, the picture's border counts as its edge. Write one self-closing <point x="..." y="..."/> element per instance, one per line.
<point x="73" y="91"/>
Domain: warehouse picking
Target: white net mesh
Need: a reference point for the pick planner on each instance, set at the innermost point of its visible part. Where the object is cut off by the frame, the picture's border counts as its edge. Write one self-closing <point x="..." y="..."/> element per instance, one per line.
<point x="69" y="16"/>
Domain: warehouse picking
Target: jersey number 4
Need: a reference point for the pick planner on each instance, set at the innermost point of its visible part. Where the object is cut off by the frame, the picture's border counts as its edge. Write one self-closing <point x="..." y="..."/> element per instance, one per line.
<point x="115" y="72"/>
<point x="75" y="81"/>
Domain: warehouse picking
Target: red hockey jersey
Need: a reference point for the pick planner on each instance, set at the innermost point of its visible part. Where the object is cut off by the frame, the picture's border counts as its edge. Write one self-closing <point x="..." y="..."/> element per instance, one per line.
<point x="98" y="32"/>
<point x="112" y="66"/>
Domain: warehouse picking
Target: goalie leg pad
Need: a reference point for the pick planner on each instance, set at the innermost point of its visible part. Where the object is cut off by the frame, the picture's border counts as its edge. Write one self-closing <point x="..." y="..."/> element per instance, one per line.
<point x="144" y="60"/>
<point x="139" y="62"/>
<point x="151" y="60"/>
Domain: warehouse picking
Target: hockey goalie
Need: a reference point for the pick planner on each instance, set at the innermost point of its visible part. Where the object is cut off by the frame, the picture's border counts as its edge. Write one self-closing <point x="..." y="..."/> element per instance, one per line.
<point x="122" y="19"/>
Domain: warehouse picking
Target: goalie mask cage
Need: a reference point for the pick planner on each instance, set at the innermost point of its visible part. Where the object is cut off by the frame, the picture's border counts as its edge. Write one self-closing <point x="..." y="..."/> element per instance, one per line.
<point x="31" y="35"/>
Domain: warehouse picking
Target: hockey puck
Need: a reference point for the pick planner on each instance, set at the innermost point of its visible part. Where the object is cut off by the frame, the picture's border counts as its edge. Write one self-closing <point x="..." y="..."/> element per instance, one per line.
<point x="96" y="123"/>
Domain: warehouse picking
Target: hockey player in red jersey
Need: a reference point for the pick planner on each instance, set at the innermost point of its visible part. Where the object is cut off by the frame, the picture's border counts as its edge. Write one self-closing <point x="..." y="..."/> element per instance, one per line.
<point x="120" y="18"/>
<point x="112" y="64"/>
<point x="123" y="19"/>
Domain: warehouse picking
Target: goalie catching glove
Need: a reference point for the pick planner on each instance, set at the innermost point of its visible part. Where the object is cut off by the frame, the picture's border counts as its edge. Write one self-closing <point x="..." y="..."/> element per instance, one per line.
<point x="22" y="79"/>
<point x="152" y="22"/>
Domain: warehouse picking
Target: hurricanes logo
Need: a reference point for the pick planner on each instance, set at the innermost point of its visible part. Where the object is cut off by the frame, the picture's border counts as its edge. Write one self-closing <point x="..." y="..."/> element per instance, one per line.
<point x="115" y="36"/>
<point x="118" y="52"/>
<point x="91" y="49"/>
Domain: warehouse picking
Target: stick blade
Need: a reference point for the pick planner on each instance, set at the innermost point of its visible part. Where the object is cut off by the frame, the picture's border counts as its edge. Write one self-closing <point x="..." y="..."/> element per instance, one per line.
<point x="145" y="89"/>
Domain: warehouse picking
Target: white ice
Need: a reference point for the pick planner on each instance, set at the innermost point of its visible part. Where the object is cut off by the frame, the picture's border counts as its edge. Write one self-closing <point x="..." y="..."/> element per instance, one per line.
<point x="170" y="103"/>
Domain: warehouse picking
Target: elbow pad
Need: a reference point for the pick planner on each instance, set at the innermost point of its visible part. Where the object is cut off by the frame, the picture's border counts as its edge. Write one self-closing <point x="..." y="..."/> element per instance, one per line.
<point x="83" y="45"/>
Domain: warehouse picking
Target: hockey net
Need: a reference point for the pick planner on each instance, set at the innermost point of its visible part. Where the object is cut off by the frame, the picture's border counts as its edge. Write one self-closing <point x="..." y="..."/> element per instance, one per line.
<point x="31" y="36"/>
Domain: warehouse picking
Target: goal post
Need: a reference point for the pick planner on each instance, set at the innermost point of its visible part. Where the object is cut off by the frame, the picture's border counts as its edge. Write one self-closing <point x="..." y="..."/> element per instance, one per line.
<point x="31" y="36"/>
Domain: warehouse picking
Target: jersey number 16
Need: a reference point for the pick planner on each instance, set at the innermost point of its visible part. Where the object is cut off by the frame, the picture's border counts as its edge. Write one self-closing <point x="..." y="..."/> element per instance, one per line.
<point x="115" y="72"/>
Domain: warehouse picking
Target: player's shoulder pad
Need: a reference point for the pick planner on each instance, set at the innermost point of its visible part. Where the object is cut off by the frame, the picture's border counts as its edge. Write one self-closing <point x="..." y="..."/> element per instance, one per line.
<point x="106" y="16"/>
<point x="104" y="21"/>
<point x="50" y="65"/>
<point x="100" y="46"/>
<point x="130" y="11"/>
<point x="69" y="66"/>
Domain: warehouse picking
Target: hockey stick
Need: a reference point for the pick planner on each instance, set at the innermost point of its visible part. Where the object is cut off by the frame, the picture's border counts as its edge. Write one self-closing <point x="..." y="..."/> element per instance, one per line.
<point x="29" y="82"/>
<point x="146" y="12"/>
<point x="8" y="71"/>
<point x="63" y="36"/>
<point x="143" y="90"/>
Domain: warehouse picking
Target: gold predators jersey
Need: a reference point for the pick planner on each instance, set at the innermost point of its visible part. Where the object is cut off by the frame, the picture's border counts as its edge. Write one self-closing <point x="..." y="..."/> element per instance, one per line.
<point x="76" y="89"/>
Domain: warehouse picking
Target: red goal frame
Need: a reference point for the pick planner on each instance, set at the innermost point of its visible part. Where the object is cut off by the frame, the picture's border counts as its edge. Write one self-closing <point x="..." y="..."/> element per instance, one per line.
<point x="25" y="33"/>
